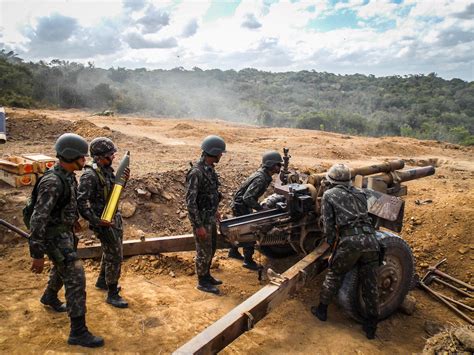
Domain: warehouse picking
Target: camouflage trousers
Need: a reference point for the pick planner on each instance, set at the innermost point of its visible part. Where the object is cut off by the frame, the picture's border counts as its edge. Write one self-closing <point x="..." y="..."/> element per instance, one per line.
<point x="69" y="273"/>
<point x="360" y="251"/>
<point x="112" y="255"/>
<point x="205" y="249"/>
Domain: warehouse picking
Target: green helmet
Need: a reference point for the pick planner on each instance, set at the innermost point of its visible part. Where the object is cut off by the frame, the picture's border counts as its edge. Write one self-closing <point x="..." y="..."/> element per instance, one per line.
<point x="271" y="158"/>
<point x="70" y="146"/>
<point x="339" y="174"/>
<point x="102" y="146"/>
<point x="213" y="145"/>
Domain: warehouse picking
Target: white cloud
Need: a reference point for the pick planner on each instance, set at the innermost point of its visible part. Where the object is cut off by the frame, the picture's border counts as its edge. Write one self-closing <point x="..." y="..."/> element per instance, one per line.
<point x="388" y="38"/>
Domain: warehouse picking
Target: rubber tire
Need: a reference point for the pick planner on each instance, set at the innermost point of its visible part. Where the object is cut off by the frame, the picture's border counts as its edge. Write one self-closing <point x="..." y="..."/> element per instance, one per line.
<point x="349" y="295"/>
<point x="277" y="251"/>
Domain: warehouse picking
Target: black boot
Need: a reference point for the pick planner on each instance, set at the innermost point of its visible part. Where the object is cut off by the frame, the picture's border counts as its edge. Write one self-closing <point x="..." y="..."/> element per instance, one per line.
<point x="52" y="300"/>
<point x="213" y="281"/>
<point x="250" y="264"/>
<point x="370" y="327"/>
<point x="80" y="335"/>
<point x="234" y="253"/>
<point x="320" y="312"/>
<point x="205" y="286"/>
<point x="114" y="298"/>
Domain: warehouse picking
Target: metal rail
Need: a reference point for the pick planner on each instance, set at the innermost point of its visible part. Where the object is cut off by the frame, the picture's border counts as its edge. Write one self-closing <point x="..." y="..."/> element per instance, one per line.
<point x="243" y="317"/>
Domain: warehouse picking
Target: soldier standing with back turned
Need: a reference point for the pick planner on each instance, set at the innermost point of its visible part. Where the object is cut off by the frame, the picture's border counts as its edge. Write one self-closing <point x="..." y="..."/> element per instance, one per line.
<point x="349" y="231"/>
<point x="246" y="200"/>
<point x="202" y="199"/>
<point x="95" y="186"/>
<point x="51" y="224"/>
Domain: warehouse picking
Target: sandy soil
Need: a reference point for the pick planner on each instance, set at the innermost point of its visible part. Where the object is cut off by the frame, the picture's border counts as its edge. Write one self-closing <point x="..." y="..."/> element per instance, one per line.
<point x="165" y="308"/>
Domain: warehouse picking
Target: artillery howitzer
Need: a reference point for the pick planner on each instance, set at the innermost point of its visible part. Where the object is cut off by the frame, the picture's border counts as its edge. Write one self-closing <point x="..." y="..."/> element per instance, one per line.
<point x="290" y="226"/>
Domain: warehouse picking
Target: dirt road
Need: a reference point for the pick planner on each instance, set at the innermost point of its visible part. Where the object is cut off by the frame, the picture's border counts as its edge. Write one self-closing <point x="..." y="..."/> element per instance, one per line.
<point x="165" y="308"/>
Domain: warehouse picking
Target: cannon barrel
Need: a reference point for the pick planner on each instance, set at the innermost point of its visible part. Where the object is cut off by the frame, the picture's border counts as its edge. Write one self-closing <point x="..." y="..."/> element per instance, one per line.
<point x="387" y="167"/>
<point x="395" y="177"/>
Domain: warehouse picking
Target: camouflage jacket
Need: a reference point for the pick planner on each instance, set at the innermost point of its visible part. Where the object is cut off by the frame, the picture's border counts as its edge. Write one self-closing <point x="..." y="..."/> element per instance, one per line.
<point x="343" y="207"/>
<point x="95" y="185"/>
<point x="46" y="217"/>
<point x="202" y="193"/>
<point x="252" y="189"/>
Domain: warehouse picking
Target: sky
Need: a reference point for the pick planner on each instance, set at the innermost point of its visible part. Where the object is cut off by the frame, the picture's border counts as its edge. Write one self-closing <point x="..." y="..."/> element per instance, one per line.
<point x="378" y="37"/>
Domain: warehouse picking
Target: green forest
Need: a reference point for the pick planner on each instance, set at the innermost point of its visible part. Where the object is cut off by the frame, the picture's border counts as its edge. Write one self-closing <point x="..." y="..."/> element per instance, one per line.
<point x="419" y="106"/>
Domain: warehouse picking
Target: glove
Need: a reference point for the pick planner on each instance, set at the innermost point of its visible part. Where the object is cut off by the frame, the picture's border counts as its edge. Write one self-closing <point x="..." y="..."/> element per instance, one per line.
<point x="126" y="174"/>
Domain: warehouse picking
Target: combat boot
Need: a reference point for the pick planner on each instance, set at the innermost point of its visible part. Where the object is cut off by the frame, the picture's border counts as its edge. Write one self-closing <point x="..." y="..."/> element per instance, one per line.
<point x="114" y="299"/>
<point x="250" y="264"/>
<point x="234" y="254"/>
<point x="51" y="300"/>
<point x="320" y="312"/>
<point x="81" y="336"/>
<point x="370" y="327"/>
<point x="213" y="281"/>
<point x="205" y="286"/>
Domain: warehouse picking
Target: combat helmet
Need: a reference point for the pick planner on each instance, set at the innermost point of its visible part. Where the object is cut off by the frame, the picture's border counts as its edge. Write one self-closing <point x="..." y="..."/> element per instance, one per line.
<point x="213" y="145"/>
<point x="271" y="158"/>
<point x="70" y="146"/>
<point x="339" y="174"/>
<point x="102" y="146"/>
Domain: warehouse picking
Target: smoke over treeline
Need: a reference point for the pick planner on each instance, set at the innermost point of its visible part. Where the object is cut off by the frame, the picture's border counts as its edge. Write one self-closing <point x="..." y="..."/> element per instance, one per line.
<point x="422" y="106"/>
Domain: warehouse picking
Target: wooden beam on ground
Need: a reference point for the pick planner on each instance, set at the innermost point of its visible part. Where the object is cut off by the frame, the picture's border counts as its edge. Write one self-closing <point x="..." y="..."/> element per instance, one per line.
<point x="153" y="245"/>
<point x="243" y="317"/>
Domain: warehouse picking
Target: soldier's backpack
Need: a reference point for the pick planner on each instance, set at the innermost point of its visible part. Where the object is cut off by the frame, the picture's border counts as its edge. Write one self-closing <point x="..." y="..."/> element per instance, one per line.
<point x="62" y="202"/>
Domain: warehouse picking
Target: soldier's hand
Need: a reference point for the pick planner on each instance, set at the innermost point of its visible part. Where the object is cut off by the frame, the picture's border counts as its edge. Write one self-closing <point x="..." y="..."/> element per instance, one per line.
<point x="218" y="216"/>
<point x="37" y="265"/>
<point x="107" y="224"/>
<point x="126" y="174"/>
<point x="77" y="227"/>
<point x="201" y="233"/>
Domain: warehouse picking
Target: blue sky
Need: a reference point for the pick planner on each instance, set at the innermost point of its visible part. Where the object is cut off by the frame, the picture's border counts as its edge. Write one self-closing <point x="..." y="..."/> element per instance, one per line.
<point x="382" y="37"/>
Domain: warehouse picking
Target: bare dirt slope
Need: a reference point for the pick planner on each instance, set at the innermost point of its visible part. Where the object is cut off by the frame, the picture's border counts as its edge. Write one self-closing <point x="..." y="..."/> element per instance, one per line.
<point x="165" y="308"/>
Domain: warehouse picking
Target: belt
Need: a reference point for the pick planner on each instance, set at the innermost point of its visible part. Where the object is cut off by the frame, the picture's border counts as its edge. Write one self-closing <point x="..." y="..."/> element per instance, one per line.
<point x="347" y="232"/>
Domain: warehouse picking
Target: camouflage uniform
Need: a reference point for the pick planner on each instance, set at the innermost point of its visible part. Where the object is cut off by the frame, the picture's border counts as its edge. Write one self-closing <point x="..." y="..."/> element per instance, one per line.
<point x="52" y="233"/>
<point x="345" y="208"/>
<point x="95" y="185"/>
<point x="246" y="199"/>
<point x="202" y="199"/>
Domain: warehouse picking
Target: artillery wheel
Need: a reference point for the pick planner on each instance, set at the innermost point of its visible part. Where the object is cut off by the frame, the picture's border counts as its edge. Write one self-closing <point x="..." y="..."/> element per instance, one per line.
<point x="277" y="251"/>
<point x="394" y="280"/>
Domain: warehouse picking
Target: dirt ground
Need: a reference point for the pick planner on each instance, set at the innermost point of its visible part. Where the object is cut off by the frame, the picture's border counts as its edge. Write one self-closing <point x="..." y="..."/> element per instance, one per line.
<point x="165" y="308"/>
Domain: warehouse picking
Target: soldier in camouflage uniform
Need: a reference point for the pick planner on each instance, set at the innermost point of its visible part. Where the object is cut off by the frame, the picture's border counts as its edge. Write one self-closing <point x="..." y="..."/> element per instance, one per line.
<point x="202" y="199"/>
<point x="349" y="231"/>
<point x="95" y="186"/>
<point x="246" y="200"/>
<point x="51" y="224"/>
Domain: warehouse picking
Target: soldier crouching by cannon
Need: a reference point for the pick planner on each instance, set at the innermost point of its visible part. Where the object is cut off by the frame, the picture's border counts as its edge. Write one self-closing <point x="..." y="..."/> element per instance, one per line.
<point x="349" y="232"/>
<point x="246" y="200"/>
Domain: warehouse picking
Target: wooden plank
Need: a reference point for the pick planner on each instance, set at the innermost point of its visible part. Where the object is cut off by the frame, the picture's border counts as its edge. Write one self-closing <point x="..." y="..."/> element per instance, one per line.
<point x="243" y="317"/>
<point x="153" y="245"/>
